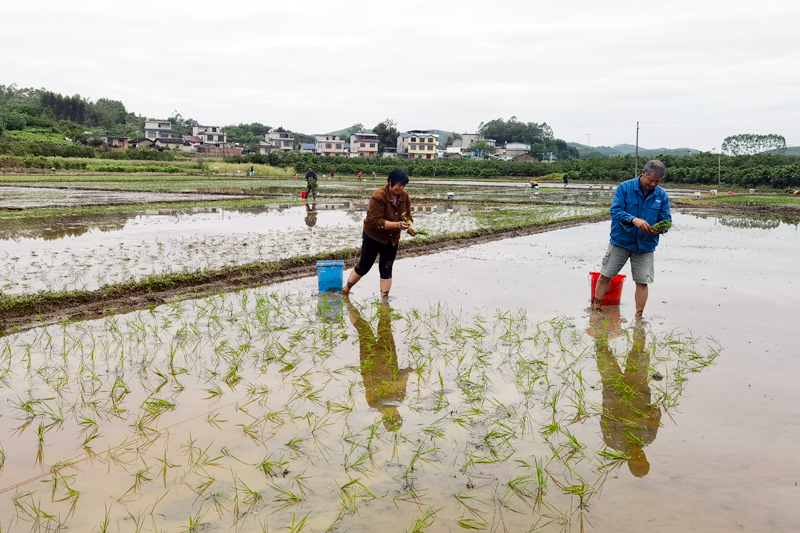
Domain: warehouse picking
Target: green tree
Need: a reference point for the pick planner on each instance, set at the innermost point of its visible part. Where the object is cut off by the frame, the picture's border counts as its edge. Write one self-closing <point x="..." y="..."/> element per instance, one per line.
<point x="107" y="113"/>
<point x="450" y="139"/>
<point x="14" y="121"/>
<point x="355" y="128"/>
<point x="750" y="144"/>
<point x="483" y="148"/>
<point x="387" y="134"/>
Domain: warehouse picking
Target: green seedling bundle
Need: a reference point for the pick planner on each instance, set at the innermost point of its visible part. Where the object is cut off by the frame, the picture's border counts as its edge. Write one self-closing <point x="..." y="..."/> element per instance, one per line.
<point x="664" y="225"/>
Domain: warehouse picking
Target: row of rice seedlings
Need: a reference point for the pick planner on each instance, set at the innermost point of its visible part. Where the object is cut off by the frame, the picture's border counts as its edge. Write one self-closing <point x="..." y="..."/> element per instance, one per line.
<point x="275" y="388"/>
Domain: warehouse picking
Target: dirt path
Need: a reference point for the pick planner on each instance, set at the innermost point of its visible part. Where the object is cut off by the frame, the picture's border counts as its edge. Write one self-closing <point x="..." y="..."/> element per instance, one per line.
<point x="96" y="304"/>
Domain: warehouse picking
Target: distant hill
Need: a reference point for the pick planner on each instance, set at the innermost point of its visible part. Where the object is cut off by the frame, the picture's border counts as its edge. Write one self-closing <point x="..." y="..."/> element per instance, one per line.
<point x="792" y="150"/>
<point x="625" y="149"/>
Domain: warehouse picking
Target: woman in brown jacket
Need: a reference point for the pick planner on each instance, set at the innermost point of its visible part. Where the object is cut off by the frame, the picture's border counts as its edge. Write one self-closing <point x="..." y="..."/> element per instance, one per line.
<point x="382" y="227"/>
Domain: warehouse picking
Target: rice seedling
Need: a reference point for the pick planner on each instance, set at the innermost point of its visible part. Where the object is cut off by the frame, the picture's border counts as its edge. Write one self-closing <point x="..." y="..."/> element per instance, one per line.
<point x="281" y="389"/>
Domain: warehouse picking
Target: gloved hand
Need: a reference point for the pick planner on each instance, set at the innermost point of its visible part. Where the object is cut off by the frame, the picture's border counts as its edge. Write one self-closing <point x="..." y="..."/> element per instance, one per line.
<point x="403" y="225"/>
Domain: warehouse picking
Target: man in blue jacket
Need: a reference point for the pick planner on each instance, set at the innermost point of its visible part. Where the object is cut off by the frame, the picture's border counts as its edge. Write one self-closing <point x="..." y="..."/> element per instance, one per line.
<point x="638" y="204"/>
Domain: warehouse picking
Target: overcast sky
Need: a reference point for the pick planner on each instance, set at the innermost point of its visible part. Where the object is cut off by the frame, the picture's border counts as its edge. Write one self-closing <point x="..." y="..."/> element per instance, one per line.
<point x="692" y="72"/>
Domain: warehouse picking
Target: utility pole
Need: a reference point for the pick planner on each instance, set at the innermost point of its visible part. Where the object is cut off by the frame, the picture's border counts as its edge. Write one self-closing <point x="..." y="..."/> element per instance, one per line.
<point x="636" y="168"/>
<point x="588" y="139"/>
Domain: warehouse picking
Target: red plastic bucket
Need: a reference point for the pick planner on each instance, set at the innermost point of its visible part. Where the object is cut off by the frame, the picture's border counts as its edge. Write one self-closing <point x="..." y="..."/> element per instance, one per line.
<point x="302" y="194"/>
<point x="614" y="294"/>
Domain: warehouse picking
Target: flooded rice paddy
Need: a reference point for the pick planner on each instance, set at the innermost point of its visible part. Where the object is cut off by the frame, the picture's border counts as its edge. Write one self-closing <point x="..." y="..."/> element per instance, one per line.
<point x="272" y="410"/>
<point x="481" y="396"/>
<point x="89" y="251"/>
<point x="37" y="197"/>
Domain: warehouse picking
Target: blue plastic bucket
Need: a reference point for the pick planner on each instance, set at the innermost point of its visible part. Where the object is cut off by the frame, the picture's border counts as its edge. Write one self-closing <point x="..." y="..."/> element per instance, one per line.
<point x="330" y="275"/>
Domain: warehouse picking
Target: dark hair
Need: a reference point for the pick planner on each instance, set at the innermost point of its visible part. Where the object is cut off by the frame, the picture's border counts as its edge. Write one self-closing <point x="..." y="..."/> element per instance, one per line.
<point x="396" y="176"/>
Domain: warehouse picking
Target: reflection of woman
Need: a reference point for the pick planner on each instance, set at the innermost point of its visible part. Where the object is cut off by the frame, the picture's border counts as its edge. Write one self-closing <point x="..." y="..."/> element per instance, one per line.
<point x="384" y="382"/>
<point x="629" y="421"/>
<point x="382" y="228"/>
<point x="311" y="215"/>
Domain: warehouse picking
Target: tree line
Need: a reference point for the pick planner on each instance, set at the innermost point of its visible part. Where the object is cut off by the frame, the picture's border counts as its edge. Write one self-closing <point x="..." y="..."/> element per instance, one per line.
<point x="763" y="170"/>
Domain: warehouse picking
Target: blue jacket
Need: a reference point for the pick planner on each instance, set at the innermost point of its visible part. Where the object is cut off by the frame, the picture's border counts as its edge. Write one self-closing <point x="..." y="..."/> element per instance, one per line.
<point x="629" y="203"/>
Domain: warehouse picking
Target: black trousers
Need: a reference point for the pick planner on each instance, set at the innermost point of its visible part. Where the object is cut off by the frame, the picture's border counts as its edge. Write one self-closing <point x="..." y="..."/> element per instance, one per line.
<point x="370" y="250"/>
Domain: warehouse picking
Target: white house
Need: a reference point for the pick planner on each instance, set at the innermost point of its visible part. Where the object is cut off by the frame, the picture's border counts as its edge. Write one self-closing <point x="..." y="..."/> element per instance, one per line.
<point x="513" y="149"/>
<point x="210" y="134"/>
<point x="329" y="145"/>
<point x="280" y="140"/>
<point x="467" y="139"/>
<point x="158" y="129"/>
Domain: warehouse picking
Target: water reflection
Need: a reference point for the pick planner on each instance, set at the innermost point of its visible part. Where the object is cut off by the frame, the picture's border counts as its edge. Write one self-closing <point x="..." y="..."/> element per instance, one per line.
<point x="311" y="215"/>
<point x="752" y="221"/>
<point x="630" y="420"/>
<point x="197" y="220"/>
<point x="384" y="382"/>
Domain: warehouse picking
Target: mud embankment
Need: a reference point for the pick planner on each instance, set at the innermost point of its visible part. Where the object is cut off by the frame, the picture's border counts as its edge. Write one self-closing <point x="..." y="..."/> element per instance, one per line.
<point x="51" y="309"/>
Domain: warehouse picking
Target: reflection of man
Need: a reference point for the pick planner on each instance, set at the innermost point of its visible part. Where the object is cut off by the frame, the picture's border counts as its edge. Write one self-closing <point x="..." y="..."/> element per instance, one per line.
<point x="311" y="215"/>
<point x="629" y="421"/>
<point x="384" y="382"/>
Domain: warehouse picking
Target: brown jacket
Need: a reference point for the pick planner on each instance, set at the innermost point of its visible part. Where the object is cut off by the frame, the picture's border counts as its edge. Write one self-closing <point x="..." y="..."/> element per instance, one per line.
<point x="382" y="210"/>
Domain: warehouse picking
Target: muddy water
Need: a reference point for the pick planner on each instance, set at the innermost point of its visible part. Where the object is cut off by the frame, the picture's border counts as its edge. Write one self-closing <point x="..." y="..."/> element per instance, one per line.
<point x="31" y="197"/>
<point x="728" y="460"/>
<point x="441" y="381"/>
<point x="86" y="252"/>
<point x="261" y="409"/>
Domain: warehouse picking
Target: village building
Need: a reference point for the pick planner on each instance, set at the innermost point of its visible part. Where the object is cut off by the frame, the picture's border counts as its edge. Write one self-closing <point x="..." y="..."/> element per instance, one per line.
<point x="141" y="143"/>
<point x="364" y="145"/>
<point x="467" y="140"/>
<point x="308" y="148"/>
<point x="329" y="145"/>
<point x="210" y="134"/>
<point x="115" y="143"/>
<point x="172" y="144"/>
<point x="158" y="129"/>
<point x="526" y="158"/>
<point x="280" y="140"/>
<point x="513" y="149"/>
<point x="417" y="144"/>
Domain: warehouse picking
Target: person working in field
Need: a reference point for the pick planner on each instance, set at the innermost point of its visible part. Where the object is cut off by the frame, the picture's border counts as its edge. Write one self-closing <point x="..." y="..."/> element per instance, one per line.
<point x="311" y="176"/>
<point x="389" y="213"/>
<point x="638" y="204"/>
<point x="384" y="381"/>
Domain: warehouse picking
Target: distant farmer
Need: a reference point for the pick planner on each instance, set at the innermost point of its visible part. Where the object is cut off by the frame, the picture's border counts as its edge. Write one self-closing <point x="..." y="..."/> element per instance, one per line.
<point x="566" y="179"/>
<point x="332" y="173"/>
<point x="359" y="175"/>
<point x="388" y="214"/>
<point x="638" y="204"/>
<point x="311" y="176"/>
<point x="373" y="176"/>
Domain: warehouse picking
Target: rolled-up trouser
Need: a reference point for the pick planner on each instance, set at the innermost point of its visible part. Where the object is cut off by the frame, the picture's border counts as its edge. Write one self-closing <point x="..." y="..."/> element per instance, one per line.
<point x="642" y="263"/>
<point x="371" y="249"/>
